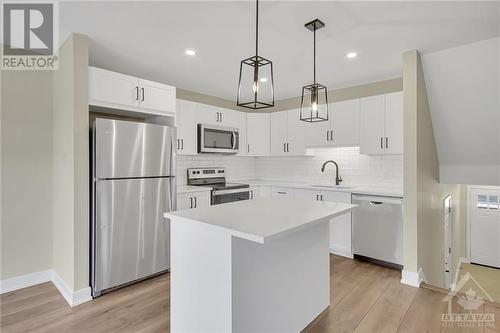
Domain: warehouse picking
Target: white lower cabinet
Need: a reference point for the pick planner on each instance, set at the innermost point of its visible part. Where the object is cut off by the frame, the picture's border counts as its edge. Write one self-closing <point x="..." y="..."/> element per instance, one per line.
<point x="265" y="191"/>
<point x="281" y="191"/>
<point x="340" y="227"/>
<point x="190" y="200"/>
<point x="254" y="192"/>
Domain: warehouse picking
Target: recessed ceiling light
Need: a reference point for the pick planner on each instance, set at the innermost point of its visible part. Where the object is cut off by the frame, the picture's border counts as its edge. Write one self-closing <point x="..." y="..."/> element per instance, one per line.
<point x="351" y="55"/>
<point x="190" y="52"/>
<point x="263" y="79"/>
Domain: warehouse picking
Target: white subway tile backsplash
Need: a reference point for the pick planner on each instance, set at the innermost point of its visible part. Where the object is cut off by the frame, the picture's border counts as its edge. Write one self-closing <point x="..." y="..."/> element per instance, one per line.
<point x="355" y="169"/>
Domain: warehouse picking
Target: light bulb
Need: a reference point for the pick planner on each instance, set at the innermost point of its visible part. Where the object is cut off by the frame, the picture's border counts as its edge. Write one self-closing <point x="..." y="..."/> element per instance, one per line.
<point x="255" y="87"/>
<point x="315" y="106"/>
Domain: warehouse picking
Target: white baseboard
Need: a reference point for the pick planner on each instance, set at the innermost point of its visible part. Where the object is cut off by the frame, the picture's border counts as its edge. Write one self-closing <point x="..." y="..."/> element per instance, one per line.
<point x="73" y="298"/>
<point x="25" y="281"/>
<point x="410" y="278"/>
<point x="341" y="253"/>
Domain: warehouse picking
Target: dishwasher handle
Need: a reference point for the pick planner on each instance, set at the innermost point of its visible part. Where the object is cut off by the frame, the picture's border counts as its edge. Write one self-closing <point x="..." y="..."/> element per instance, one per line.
<point x="376" y="200"/>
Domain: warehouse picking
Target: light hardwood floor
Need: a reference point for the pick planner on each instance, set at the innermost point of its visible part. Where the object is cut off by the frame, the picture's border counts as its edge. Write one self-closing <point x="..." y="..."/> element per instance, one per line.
<point x="364" y="298"/>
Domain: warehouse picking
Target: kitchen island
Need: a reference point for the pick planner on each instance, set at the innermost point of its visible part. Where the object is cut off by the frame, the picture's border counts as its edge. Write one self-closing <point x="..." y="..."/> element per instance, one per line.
<point x="251" y="266"/>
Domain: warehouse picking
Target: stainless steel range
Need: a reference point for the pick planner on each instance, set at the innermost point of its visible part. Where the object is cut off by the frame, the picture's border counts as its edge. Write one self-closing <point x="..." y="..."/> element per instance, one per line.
<point x="215" y="178"/>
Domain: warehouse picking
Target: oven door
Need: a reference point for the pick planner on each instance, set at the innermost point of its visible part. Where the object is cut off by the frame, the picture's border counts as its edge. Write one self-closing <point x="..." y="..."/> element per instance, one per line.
<point x="225" y="196"/>
<point x="218" y="139"/>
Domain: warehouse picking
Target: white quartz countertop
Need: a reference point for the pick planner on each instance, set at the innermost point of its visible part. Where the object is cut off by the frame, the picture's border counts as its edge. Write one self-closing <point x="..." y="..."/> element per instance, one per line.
<point x="262" y="219"/>
<point x="367" y="190"/>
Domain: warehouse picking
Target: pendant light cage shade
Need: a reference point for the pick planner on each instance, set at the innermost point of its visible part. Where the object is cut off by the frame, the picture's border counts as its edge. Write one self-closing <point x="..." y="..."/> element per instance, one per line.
<point x="256" y="83"/>
<point x="314" y="103"/>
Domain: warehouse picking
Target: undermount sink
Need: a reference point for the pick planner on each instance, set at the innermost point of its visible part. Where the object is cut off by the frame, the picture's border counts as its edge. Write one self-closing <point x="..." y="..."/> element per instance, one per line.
<point x="333" y="186"/>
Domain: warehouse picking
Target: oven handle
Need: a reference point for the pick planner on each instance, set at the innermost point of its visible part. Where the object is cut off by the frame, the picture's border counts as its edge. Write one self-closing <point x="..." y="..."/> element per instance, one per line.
<point x="236" y="190"/>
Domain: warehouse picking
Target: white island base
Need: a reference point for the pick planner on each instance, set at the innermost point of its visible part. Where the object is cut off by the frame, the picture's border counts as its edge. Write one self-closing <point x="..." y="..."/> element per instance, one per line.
<point x="266" y="271"/>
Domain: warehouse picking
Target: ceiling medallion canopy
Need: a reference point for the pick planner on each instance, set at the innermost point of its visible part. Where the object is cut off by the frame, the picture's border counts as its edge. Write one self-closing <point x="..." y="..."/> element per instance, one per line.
<point x="256" y="81"/>
<point x="314" y="101"/>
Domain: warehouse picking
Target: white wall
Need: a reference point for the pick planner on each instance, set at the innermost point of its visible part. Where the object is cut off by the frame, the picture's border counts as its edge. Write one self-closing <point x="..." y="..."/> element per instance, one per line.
<point x="384" y="171"/>
<point x="26" y="172"/>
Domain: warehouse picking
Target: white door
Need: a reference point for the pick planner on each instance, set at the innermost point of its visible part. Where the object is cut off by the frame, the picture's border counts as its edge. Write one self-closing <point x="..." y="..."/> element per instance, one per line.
<point x="185" y="201"/>
<point x="371" y="125"/>
<point x="305" y="194"/>
<point x="393" y="141"/>
<point x="279" y="126"/>
<point x="345" y="123"/>
<point x="485" y="226"/>
<point x="110" y="89"/>
<point x="208" y="114"/>
<point x="186" y="127"/>
<point x="258" y="134"/>
<point x="448" y="236"/>
<point x="318" y="134"/>
<point x="296" y="134"/>
<point x="157" y="97"/>
<point x="340" y="227"/>
<point x="254" y="192"/>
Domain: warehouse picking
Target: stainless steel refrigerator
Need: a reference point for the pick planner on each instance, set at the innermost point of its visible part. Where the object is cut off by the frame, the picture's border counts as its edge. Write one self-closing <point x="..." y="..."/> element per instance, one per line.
<point x="133" y="185"/>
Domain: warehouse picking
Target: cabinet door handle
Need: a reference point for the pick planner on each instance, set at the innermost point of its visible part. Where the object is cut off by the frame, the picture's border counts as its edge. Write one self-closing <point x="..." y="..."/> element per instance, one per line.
<point x="321" y="197"/>
<point x="288" y="147"/>
<point x="279" y="192"/>
<point x="195" y="202"/>
<point x="143" y="94"/>
<point x="190" y="202"/>
<point x="251" y="194"/>
<point x="386" y="142"/>
<point x="284" y="147"/>
<point x="327" y="135"/>
<point x="137" y="93"/>
<point x="381" y="143"/>
<point x="331" y="135"/>
<point x="317" y="197"/>
<point x="182" y="144"/>
<point x="248" y="148"/>
<point x="178" y="145"/>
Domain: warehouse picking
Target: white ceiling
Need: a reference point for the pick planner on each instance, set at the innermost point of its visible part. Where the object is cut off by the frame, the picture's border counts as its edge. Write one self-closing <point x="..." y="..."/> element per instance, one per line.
<point x="463" y="89"/>
<point x="148" y="39"/>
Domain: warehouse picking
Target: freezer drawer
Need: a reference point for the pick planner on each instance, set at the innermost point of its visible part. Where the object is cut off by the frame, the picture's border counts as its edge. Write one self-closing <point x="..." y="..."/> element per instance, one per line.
<point x="377" y="228"/>
<point x="125" y="149"/>
<point x="131" y="236"/>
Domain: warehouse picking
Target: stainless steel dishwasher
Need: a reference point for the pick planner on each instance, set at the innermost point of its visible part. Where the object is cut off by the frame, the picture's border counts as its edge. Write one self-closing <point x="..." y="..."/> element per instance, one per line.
<point x="377" y="229"/>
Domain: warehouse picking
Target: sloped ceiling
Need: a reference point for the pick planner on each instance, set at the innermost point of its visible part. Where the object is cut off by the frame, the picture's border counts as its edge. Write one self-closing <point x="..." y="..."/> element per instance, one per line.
<point x="463" y="88"/>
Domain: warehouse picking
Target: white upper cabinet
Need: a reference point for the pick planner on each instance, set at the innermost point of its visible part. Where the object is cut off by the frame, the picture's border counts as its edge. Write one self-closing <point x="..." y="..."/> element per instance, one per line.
<point x="118" y="91"/>
<point x="110" y="89"/>
<point x="344" y="121"/>
<point x="186" y="127"/>
<point x="258" y="134"/>
<point x="341" y="129"/>
<point x="288" y="135"/>
<point x="208" y="114"/>
<point x="394" y="123"/>
<point x="296" y="134"/>
<point x="157" y="97"/>
<point x="371" y="127"/>
<point x="381" y="124"/>
<point x="279" y="127"/>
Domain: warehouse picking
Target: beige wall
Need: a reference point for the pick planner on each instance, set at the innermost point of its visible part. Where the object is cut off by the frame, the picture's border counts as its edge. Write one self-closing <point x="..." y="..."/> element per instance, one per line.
<point x="71" y="194"/>
<point x="364" y="90"/>
<point x="424" y="194"/>
<point x="26" y="172"/>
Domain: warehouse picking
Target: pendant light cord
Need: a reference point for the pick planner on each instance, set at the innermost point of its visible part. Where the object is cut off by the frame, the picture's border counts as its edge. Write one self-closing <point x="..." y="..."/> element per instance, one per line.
<point x="314" y="53"/>
<point x="256" y="29"/>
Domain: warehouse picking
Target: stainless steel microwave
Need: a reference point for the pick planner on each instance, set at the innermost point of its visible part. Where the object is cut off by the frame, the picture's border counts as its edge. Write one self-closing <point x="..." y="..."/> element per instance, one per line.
<point x="218" y="139"/>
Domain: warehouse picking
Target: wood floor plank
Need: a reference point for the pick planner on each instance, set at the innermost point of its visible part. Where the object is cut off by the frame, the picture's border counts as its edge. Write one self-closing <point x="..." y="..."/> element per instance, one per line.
<point x="424" y="313"/>
<point x="389" y="310"/>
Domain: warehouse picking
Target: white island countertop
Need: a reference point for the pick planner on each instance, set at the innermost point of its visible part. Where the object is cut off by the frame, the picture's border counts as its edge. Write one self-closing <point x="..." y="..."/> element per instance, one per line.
<point x="262" y="219"/>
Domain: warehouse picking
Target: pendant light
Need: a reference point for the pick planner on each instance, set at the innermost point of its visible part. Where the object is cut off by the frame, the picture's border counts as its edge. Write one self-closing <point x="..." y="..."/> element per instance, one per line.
<point x="314" y="101"/>
<point x="256" y="82"/>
